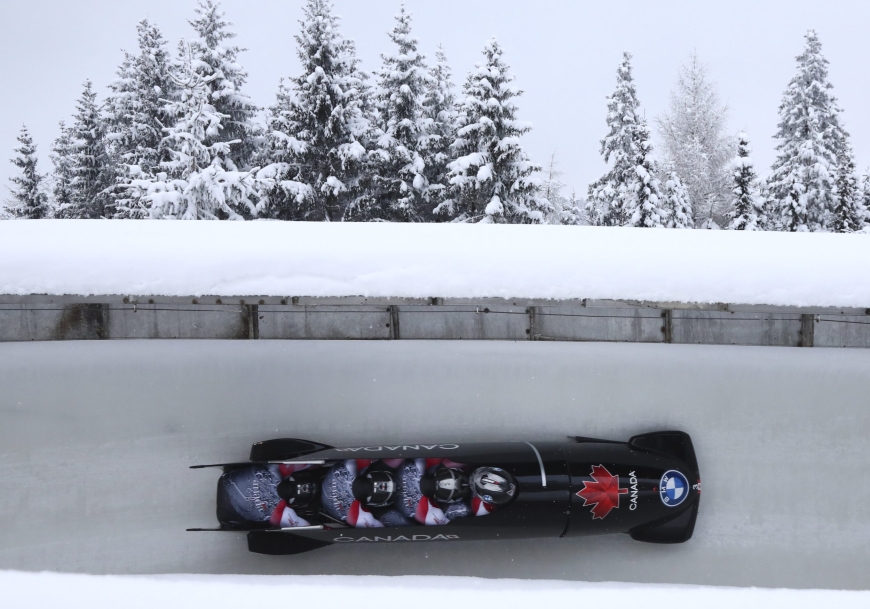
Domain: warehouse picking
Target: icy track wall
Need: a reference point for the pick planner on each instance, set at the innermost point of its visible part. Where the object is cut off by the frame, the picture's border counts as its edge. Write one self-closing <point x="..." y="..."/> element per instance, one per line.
<point x="268" y="280"/>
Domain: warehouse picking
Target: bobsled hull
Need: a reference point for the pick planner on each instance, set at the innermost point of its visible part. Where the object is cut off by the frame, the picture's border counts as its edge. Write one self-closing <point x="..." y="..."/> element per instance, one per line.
<point x="648" y="487"/>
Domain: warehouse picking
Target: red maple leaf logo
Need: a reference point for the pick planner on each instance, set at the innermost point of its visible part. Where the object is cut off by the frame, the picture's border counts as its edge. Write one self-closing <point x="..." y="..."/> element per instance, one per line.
<point x="602" y="494"/>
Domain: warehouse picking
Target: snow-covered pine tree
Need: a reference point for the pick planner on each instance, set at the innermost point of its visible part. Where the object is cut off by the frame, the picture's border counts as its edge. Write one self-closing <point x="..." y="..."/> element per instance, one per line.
<point x="646" y="209"/>
<point x="200" y="181"/>
<point x="613" y="198"/>
<point x="492" y="178"/>
<point x="136" y="115"/>
<point x="676" y="203"/>
<point x="574" y="212"/>
<point x="565" y="210"/>
<point x="848" y="213"/>
<point x="804" y="174"/>
<point x="865" y="200"/>
<point x="28" y="197"/>
<point x="217" y="61"/>
<point x="91" y="167"/>
<point x="398" y="167"/>
<point x="319" y="127"/>
<point x="695" y="143"/>
<point x="747" y="208"/>
<point x="439" y="107"/>
<point x="62" y="174"/>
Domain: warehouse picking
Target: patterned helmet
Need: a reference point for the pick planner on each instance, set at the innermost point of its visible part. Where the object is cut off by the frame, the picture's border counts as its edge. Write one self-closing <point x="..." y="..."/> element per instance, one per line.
<point x="375" y="489"/>
<point x="493" y="485"/>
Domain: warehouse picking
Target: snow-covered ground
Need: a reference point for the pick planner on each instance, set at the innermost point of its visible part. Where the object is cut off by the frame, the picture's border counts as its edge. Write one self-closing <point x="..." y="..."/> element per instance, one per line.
<point x="426" y="260"/>
<point x="50" y="590"/>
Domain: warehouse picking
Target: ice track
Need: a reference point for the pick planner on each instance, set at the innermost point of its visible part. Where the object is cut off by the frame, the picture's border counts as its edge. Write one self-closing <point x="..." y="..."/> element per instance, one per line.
<point x="96" y="437"/>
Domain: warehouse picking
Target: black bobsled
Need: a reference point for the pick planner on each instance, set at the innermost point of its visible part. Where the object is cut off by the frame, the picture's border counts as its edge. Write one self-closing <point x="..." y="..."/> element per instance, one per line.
<point x="295" y="495"/>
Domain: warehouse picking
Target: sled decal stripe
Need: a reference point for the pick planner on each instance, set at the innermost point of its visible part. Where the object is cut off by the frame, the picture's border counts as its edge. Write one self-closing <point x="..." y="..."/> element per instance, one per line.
<point x="541" y="463"/>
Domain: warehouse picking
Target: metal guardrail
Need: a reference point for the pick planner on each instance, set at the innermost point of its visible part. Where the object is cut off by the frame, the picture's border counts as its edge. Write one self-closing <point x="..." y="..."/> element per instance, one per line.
<point x="40" y="318"/>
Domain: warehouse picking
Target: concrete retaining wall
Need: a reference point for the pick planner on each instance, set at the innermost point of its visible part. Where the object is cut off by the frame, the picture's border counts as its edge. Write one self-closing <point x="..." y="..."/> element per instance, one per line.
<point x="39" y="318"/>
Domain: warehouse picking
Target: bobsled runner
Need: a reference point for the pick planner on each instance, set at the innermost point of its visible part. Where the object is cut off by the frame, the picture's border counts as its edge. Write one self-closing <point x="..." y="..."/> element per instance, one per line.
<point x="294" y="496"/>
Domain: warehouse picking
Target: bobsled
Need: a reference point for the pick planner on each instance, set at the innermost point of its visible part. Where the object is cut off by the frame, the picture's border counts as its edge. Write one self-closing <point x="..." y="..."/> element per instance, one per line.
<point x="295" y="496"/>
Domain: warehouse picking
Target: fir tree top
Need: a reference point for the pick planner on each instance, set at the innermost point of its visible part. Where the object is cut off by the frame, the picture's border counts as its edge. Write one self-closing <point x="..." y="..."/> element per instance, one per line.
<point x="622" y="115"/>
<point x="403" y="78"/>
<point x="493" y="174"/>
<point x="319" y="127"/>
<point x="811" y="138"/>
<point x="29" y="200"/>
<point x="216" y="58"/>
<point x="399" y="180"/>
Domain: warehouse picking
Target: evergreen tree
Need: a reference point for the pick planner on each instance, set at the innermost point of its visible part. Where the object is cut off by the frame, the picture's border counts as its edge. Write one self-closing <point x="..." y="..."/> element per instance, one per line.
<point x="695" y="144"/>
<point x="91" y="168"/>
<point x="747" y="209"/>
<point x="565" y="210"/>
<point x="804" y="173"/>
<point x="574" y="213"/>
<point x="200" y="181"/>
<point x="136" y="115"/>
<point x="492" y="178"/>
<point x="440" y="109"/>
<point x="217" y="61"/>
<point x="613" y="198"/>
<point x="319" y="127"/>
<point x="848" y="212"/>
<point x="29" y="199"/>
<point x="677" y="203"/>
<point x="399" y="170"/>
<point x="62" y="175"/>
<point x="646" y="202"/>
<point x="865" y="201"/>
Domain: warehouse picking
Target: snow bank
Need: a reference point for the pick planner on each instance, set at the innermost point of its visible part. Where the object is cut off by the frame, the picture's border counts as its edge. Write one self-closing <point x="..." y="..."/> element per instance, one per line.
<point x="50" y="590"/>
<point x="462" y="261"/>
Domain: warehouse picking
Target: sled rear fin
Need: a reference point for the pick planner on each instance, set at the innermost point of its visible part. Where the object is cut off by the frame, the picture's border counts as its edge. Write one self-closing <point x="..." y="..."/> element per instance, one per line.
<point x="224" y="466"/>
<point x="674" y="443"/>
<point x="284" y="449"/>
<point x="282" y="544"/>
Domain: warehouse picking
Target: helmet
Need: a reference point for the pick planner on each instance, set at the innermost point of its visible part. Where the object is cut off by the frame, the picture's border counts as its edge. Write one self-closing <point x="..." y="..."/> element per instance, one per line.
<point x="375" y="489"/>
<point x="298" y="490"/>
<point x="493" y="485"/>
<point x="445" y="486"/>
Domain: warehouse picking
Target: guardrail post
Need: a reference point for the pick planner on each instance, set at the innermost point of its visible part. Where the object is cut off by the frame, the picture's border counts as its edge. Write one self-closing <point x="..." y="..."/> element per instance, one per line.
<point x="253" y="312"/>
<point x="808" y="329"/>
<point x="668" y="325"/>
<point x="394" y="323"/>
<point x="533" y="330"/>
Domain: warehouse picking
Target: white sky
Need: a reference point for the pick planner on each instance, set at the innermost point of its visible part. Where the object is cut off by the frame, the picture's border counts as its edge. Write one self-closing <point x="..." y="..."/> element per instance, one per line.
<point x="564" y="54"/>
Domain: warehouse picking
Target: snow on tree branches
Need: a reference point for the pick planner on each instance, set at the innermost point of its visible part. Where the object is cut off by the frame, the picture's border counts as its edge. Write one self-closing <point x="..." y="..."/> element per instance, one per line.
<point x="89" y="163"/>
<point x="319" y="127"/>
<point x="62" y="174"/>
<point x="28" y="197"/>
<point x="398" y="166"/>
<point x="217" y="61"/>
<point x="747" y="211"/>
<point x="695" y="144"/>
<point x="811" y="140"/>
<point x="439" y="107"/>
<point x="677" y="203"/>
<point x="200" y="180"/>
<point x="848" y="213"/>
<point x="628" y="194"/>
<point x="137" y="115"/>
<point x="492" y="179"/>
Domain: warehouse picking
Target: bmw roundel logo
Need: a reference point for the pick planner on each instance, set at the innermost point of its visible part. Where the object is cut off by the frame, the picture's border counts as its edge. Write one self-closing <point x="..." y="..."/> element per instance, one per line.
<point x="674" y="488"/>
